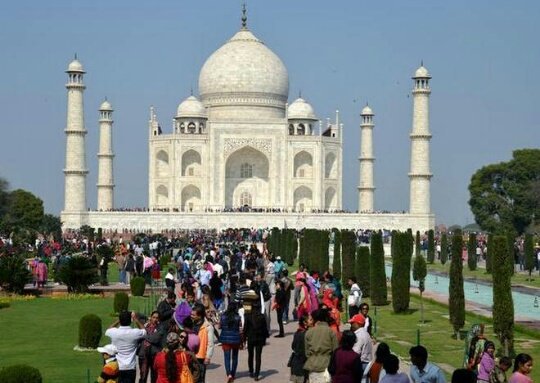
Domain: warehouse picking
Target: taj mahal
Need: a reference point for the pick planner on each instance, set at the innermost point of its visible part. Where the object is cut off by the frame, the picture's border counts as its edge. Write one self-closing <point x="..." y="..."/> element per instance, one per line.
<point x="239" y="154"/>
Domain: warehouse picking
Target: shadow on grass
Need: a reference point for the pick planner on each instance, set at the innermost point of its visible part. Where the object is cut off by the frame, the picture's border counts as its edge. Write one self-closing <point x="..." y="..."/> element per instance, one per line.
<point x="462" y="335"/>
<point x="406" y="312"/>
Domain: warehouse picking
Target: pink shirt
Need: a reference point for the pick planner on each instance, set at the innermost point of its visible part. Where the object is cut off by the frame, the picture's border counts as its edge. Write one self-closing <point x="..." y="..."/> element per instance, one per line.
<point x="518" y="377"/>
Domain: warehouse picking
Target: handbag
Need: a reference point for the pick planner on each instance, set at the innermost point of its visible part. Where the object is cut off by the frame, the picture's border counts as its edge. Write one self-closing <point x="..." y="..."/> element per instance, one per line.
<point x="185" y="375"/>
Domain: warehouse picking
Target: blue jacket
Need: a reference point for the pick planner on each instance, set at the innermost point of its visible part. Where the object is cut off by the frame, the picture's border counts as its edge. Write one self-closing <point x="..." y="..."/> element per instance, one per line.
<point x="230" y="334"/>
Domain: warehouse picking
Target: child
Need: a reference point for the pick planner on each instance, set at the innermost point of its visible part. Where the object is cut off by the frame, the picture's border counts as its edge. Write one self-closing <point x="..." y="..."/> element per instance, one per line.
<point x="498" y="374"/>
<point x="110" y="371"/>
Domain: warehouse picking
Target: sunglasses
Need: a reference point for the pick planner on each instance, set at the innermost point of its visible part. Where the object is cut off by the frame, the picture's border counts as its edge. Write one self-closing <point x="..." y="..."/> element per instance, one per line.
<point x="182" y="336"/>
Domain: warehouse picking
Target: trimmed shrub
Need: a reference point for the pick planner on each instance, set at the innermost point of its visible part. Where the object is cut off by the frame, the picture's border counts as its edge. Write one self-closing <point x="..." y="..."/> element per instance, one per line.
<point x="503" y="304"/>
<point x="418" y="248"/>
<point x="4" y="305"/>
<point x="121" y="302"/>
<point x="377" y="274"/>
<point x="18" y="373"/>
<point x="419" y="274"/>
<point x="14" y="274"/>
<point x="77" y="274"/>
<point x="336" y="264"/>
<point x="444" y="248"/>
<point x="361" y="269"/>
<point x="164" y="261"/>
<point x="456" y="294"/>
<point x="431" y="247"/>
<point x="471" y="252"/>
<point x="138" y="285"/>
<point x="529" y="254"/>
<point x="401" y="272"/>
<point x="90" y="331"/>
<point x="348" y="248"/>
<point x="489" y="254"/>
<point x="323" y="256"/>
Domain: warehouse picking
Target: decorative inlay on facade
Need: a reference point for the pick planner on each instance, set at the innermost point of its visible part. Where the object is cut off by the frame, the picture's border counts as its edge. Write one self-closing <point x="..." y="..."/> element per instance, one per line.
<point x="232" y="144"/>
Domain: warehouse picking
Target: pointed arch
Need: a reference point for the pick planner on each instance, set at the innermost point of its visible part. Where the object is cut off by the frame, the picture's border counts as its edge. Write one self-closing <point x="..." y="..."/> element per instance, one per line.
<point x="162" y="195"/>
<point x="303" y="198"/>
<point x="303" y="165"/>
<point x="330" y="166"/>
<point x="191" y="198"/>
<point x="330" y="198"/>
<point x="191" y="163"/>
<point x="162" y="163"/>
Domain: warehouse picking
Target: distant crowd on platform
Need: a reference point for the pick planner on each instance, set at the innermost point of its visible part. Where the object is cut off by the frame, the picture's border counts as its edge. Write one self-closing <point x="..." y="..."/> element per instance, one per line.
<point x="251" y="209"/>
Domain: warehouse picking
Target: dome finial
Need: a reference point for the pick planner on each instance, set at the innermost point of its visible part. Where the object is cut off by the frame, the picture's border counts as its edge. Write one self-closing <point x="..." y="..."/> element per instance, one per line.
<point x="300" y="93"/>
<point x="422" y="62"/>
<point x="191" y="92"/>
<point x="244" y="16"/>
<point x="75" y="56"/>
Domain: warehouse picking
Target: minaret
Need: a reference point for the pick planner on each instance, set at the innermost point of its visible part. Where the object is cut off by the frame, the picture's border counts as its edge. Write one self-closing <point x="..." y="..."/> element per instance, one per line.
<point x="75" y="171"/>
<point x="420" y="174"/>
<point x="366" y="190"/>
<point x="105" y="185"/>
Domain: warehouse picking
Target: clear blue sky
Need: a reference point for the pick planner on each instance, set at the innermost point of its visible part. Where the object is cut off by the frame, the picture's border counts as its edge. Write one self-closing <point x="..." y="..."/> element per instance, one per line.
<point x="484" y="57"/>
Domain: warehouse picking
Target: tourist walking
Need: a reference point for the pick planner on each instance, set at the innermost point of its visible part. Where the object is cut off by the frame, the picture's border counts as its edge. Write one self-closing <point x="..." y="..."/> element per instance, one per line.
<point x="256" y="333"/>
<point x="204" y="329"/>
<point x="421" y="370"/>
<point x="172" y="364"/>
<point x="363" y="345"/>
<point x="487" y="362"/>
<point x="321" y="341"/>
<point x="298" y="356"/>
<point x="126" y="340"/>
<point x="355" y="297"/>
<point x="230" y="339"/>
<point x="279" y="304"/>
<point x="345" y="364"/>
<point x="148" y="349"/>
<point x="374" y="372"/>
<point x="498" y="374"/>
<point x="522" y="369"/>
<point x="391" y="367"/>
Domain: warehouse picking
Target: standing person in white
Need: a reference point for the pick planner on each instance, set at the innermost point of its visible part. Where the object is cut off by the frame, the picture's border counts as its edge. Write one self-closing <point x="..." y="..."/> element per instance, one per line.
<point x="126" y="339"/>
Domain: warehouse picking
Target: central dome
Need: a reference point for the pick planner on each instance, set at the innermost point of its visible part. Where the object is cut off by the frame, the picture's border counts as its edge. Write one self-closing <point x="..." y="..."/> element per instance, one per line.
<point x="241" y="73"/>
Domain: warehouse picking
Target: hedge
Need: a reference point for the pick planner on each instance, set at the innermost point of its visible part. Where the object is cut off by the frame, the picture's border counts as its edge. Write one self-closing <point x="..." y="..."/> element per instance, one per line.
<point x="362" y="269"/>
<point x="336" y="264"/>
<point x="20" y="373"/>
<point x="90" y="331"/>
<point x="121" y="302"/>
<point x="348" y="250"/>
<point x="401" y="272"/>
<point x="138" y="285"/>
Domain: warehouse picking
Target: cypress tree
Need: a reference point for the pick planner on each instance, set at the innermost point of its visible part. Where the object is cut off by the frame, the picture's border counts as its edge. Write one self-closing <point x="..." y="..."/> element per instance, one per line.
<point x="444" y="248"/>
<point x="418" y="248"/>
<point x="362" y="268"/>
<point x="294" y="246"/>
<point x="336" y="265"/>
<point x="503" y="305"/>
<point x="529" y="254"/>
<point x="471" y="252"/>
<point x="401" y="272"/>
<point x="431" y="246"/>
<point x="348" y="248"/>
<point x="456" y="296"/>
<point x="419" y="274"/>
<point x="510" y="262"/>
<point x="324" y="257"/>
<point x="379" y="293"/>
<point x="489" y="254"/>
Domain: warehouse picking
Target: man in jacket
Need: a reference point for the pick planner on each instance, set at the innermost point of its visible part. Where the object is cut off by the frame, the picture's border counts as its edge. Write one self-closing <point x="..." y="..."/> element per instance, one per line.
<point x="320" y="342"/>
<point x="206" y="338"/>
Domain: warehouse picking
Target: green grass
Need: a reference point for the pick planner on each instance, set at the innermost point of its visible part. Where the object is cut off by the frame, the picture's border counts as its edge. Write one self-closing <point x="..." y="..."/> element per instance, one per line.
<point x="400" y="332"/>
<point x="480" y="274"/>
<point x="42" y="333"/>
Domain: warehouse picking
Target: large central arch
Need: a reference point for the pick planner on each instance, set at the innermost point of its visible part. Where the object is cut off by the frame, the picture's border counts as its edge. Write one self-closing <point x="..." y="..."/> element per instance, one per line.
<point x="247" y="171"/>
<point x="191" y="198"/>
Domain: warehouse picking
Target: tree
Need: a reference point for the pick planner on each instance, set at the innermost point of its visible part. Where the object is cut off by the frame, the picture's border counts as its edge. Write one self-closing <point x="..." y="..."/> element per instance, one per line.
<point x="431" y="246"/>
<point x="348" y="248"/>
<point x="456" y="294"/>
<point x="336" y="264"/>
<point x="14" y="273"/>
<point x="4" y="196"/>
<point x="362" y="268"/>
<point x="24" y="211"/>
<point x="444" y="248"/>
<point x="471" y="252"/>
<point x="505" y="197"/>
<point x="418" y="247"/>
<point x="77" y="274"/>
<point x="379" y="293"/>
<point x="419" y="275"/>
<point x="51" y="225"/>
<point x="489" y="254"/>
<point x="503" y="304"/>
<point x="401" y="272"/>
<point x="529" y="254"/>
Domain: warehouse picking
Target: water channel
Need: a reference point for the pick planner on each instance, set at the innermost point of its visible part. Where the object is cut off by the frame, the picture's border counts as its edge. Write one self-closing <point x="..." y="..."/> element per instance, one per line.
<point x="524" y="304"/>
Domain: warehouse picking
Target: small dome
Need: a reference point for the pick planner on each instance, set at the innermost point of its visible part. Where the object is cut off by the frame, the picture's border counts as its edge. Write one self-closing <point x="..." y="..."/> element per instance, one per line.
<point x="106" y="105"/>
<point x="367" y="111"/>
<point x="191" y="107"/>
<point x="75" y="66"/>
<point x="300" y="109"/>
<point x="422" y="72"/>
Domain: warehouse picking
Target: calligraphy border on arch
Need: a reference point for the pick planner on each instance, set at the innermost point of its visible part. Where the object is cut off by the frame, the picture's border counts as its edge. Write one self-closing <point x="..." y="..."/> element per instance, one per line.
<point x="232" y="144"/>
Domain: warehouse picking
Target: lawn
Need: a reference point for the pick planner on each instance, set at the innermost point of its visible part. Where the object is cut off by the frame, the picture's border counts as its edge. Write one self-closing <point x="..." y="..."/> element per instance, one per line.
<point x="400" y="332"/>
<point x="42" y="333"/>
<point x="480" y="274"/>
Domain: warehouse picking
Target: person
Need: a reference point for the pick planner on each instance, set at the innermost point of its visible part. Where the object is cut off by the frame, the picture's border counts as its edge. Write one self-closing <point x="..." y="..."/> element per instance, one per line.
<point x="303" y="306"/>
<point x="320" y="342"/>
<point x="364" y="310"/>
<point x="260" y="286"/>
<point x="42" y="273"/>
<point x="130" y="267"/>
<point x="216" y="290"/>
<point x="148" y="349"/>
<point x="329" y="302"/>
<point x="487" y="362"/>
<point x="170" y="280"/>
<point x="363" y="345"/>
<point x="463" y="375"/>
<point x="421" y="370"/>
<point x="279" y="304"/>
<point x="522" y="369"/>
<point x="204" y="329"/>
<point x="230" y="339"/>
<point x="374" y="371"/>
<point x="256" y="334"/>
<point x="391" y="366"/>
<point x="354" y="298"/>
<point x="288" y="286"/>
<point x="298" y="356"/>
<point x="166" y="308"/>
<point x="345" y="364"/>
<point x="126" y="340"/>
<point x="498" y="374"/>
<point x="109" y="372"/>
<point x="194" y="365"/>
<point x="171" y="364"/>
